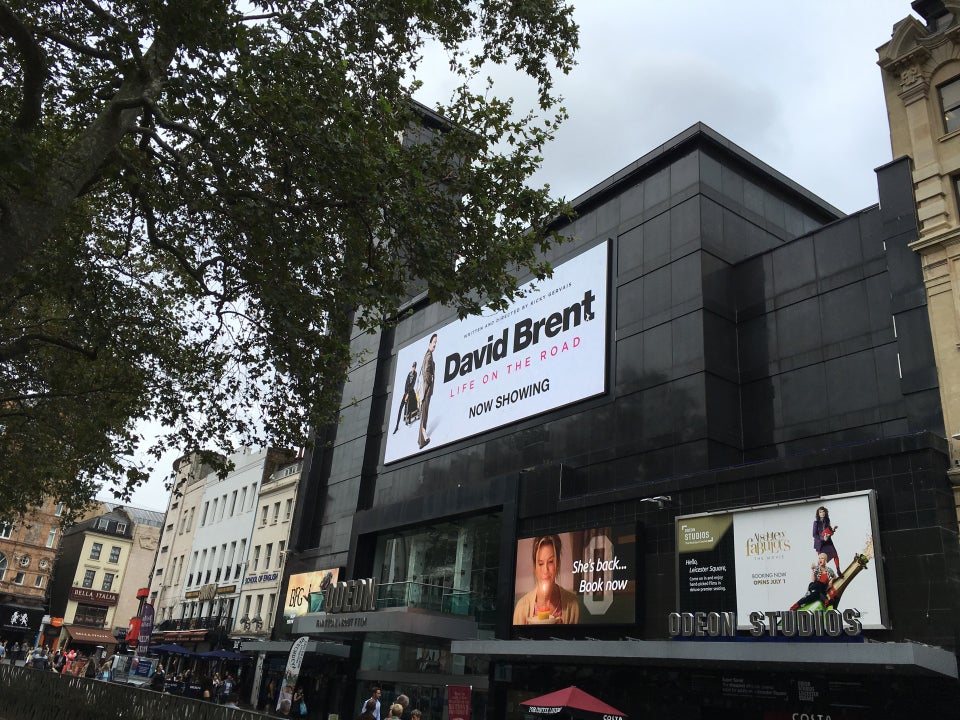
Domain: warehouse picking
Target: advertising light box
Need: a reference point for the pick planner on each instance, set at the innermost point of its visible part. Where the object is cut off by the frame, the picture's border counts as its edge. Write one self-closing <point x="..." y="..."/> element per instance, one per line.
<point x="546" y="350"/>
<point x="779" y="558"/>
<point x="306" y="588"/>
<point x="584" y="577"/>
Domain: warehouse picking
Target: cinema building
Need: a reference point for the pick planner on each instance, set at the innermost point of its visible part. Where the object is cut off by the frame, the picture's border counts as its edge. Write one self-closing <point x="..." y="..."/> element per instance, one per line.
<point x="718" y="354"/>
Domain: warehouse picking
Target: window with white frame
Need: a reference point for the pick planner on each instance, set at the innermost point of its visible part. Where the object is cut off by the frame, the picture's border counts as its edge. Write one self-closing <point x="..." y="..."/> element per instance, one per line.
<point x="59" y="511"/>
<point x="6" y="529"/>
<point x="288" y="510"/>
<point x="95" y="551"/>
<point x="88" y="578"/>
<point x="107" y="581"/>
<point x="51" y="537"/>
<point x="276" y="512"/>
<point x="268" y="552"/>
<point x="114" y="554"/>
<point x="256" y="558"/>
<point x="263" y="514"/>
<point x="18" y="580"/>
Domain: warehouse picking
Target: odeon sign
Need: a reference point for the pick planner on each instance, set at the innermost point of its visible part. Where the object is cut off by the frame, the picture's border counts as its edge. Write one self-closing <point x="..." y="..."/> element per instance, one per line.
<point x="351" y="596"/>
<point x="775" y="623"/>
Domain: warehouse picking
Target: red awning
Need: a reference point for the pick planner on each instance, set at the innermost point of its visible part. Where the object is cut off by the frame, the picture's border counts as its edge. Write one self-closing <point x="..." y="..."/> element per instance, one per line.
<point x="574" y="699"/>
<point x="91" y="635"/>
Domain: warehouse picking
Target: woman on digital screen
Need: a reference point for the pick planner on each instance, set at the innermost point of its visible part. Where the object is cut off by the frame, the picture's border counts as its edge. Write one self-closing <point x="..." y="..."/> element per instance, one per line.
<point x="547" y="603"/>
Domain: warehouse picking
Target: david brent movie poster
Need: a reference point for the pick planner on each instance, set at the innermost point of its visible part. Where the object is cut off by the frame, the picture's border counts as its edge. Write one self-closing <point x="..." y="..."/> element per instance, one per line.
<point x="547" y="350"/>
<point x="584" y="577"/>
<point x="764" y="559"/>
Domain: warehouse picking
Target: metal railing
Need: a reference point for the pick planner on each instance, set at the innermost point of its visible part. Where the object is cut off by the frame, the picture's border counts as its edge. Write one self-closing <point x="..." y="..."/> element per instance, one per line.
<point x="429" y="596"/>
<point x="198" y="623"/>
<point x="30" y="694"/>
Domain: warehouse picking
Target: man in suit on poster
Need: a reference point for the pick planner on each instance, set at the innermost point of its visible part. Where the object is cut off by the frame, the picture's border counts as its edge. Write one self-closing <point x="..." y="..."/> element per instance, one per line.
<point x="427" y="374"/>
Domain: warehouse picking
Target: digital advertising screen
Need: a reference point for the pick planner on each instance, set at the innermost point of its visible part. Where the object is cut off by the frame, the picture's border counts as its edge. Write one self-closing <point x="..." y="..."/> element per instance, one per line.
<point x="546" y="350"/>
<point x="300" y="588"/>
<point x="582" y="577"/>
<point x="812" y="555"/>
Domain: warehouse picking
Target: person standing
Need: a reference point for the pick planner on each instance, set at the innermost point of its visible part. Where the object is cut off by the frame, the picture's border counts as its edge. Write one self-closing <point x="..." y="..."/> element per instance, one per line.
<point x="409" y="391"/>
<point x="375" y="698"/>
<point x="823" y="532"/>
<point x="404" y="702"/>
<point x="428" y="375"/>
<point x="369" y="707"/>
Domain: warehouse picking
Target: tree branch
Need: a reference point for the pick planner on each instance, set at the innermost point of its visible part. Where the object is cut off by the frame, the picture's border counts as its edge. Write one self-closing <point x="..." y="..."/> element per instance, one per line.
<point x="21" y="346"/>
<point x="78" y="47"/>
<point x="34" y="63"/>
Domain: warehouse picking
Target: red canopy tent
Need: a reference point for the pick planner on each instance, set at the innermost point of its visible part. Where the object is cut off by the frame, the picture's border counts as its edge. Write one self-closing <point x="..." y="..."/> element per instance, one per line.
<point x="574" y="701"/>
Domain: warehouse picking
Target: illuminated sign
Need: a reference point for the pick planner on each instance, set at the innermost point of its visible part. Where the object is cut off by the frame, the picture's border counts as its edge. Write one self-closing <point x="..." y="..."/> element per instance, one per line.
<point x="546" y="350"/>
<point x="301" y="586"/>
<point x="584" y="577"/>
<point x="770" y="566"/>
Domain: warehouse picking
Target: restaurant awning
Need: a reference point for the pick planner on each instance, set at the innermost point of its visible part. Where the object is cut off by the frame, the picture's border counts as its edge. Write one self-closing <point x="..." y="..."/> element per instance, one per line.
<point x="170" y="636"/>
<point x="91" y="635"/>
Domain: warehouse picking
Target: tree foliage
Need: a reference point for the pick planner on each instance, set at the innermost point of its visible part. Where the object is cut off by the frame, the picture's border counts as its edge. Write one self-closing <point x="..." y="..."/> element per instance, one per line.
<point x="199" y="198"/>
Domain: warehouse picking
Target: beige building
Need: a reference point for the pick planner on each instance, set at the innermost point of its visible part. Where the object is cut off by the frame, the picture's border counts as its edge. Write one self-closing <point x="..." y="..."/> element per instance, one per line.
<point x="921" y="81"/>
<point x="93" y="563"/>
<point x="147" y="525"/>
<point x="176" y="539"/>
<point x="263" y="580"/>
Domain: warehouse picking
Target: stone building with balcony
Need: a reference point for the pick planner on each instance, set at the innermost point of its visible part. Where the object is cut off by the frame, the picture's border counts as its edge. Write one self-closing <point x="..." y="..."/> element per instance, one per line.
<point x="920" y="68"/>
<point x="260" y="595"/>
<point x="28" y="553"/>
<point x="205" y="548"/>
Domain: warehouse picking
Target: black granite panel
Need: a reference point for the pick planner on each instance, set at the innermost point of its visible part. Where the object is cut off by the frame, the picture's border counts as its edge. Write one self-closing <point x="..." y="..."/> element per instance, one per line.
<point x="630" y="250"/>
<point x="656" y="242"/>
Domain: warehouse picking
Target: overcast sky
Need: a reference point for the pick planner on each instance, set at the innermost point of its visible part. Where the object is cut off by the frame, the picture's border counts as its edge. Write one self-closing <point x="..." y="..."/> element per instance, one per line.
<point x="795" y="84"/>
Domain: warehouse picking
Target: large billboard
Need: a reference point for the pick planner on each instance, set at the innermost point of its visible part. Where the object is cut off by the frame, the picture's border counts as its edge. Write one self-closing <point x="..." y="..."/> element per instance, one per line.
<point x="584" y="577"/>
<point x="546" y="350"/>
<point x="813" y="555"/>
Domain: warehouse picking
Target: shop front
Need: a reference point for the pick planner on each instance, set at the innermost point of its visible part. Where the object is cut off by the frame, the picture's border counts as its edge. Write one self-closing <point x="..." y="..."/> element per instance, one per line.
<point x="749" y="680"/>
<point x="20" y="624"/>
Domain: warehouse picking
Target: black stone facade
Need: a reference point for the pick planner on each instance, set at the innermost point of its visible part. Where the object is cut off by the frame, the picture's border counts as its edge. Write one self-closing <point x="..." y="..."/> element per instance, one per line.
<point x="763" y="348"/>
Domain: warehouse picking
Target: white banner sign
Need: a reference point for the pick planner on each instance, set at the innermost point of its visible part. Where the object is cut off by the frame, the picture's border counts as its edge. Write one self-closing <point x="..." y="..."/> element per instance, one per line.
<point x="546" y="350"/>
<point x="816" y="554"/>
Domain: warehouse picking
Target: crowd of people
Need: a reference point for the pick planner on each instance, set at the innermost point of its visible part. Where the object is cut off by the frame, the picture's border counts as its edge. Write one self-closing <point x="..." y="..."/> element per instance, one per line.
<point x="399" y="709"/>
<point x="216" y="688"/>
<point x="65" y="662"/>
